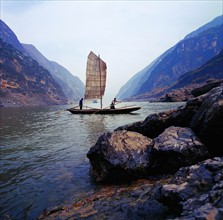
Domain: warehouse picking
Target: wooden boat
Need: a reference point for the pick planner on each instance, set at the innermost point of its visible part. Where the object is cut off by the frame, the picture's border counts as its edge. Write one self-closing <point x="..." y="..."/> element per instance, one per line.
<point x="96" y="73"/>
<point x="124" y="110"/>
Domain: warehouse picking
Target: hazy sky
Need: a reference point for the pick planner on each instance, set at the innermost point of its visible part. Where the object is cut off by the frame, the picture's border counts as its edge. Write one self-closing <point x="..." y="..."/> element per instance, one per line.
<point x="128" y="35"/>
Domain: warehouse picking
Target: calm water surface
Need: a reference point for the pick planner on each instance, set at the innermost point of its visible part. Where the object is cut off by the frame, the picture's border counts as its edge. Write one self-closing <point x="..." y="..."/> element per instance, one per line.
<point x="43" y="154"/>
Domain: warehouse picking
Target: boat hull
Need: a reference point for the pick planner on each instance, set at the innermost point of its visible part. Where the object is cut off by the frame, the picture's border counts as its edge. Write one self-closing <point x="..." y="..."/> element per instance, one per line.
<point x="124" y="110"/>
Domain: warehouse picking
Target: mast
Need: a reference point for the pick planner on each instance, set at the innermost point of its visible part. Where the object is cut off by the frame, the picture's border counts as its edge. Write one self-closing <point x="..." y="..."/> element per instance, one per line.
<point x="99" y="68"/>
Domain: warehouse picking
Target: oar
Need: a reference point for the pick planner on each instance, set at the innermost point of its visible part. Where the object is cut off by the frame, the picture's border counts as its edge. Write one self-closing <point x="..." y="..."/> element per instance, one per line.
<point x="105" y="108"/>
<point x="75" y="106"/>
<point x="100" y="110"/>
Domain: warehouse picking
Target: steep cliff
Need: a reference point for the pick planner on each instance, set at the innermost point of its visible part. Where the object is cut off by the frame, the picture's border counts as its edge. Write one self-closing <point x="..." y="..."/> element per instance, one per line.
<point x="213" y="69"/>
<point x="23" y="82"/>
<point x="71" y="85"/>
<point x="187" y="55"/>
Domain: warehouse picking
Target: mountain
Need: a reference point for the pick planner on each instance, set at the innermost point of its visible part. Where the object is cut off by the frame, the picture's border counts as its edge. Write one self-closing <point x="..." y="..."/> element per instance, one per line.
<point x="187" y="55"/>
<point x="71" y="85"/>
<point x="24" y="82"/>
<point x="8" y="36"/>
<point x="196" y="82"/>
<point x="213" y="69"/>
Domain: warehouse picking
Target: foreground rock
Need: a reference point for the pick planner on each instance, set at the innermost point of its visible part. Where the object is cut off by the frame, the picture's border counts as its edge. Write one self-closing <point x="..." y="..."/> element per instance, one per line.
<point x="120" y="155"/>
<point x="208" y="121"/>
<point x="194" y="192"/>
<point x="174" y="148"/>
<point x="126" y="155"/>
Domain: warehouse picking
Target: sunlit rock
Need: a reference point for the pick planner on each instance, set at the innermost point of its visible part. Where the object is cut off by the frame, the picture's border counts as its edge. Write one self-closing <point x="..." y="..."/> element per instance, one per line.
<point x="177" y="147"/>
<point x="120" y="155"/>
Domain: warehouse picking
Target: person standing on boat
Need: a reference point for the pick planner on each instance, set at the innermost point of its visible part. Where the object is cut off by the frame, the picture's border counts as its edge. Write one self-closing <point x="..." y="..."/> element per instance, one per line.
<point x="81" y="103"/>
<point x="112" y="106"/>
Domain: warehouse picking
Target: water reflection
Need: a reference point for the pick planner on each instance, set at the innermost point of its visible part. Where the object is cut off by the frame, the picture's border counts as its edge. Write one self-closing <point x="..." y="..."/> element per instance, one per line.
<point x="43" y="154"/>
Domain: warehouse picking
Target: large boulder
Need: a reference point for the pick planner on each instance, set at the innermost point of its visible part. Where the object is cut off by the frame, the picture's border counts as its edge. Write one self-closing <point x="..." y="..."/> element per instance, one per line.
<point x="208" y="121"/>
<point x="120" y="155"/>
<point x="125" y="155"/>
<point x="176" y="147"/>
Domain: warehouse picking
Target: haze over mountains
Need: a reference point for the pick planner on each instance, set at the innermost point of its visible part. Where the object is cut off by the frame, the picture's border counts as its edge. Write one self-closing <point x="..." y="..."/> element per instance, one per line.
<point x="194" y="50"/>
<point x="29" y="79"/>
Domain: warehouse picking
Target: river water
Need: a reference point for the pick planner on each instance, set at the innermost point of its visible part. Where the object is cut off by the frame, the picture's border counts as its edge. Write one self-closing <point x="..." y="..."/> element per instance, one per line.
<point x="43" y="151"/>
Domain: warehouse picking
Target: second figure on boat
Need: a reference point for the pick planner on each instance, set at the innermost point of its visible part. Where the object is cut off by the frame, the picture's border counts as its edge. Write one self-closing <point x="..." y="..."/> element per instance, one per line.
<point x="112" y="106"/>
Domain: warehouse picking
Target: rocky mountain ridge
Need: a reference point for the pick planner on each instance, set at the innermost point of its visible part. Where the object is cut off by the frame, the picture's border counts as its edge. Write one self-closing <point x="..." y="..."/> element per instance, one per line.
<point x="187" y="55"/>
<point x="67" y="87"/>
<point x="24" y="82"/>
<point x="206" y="75"/>
<point x="71" y="85"/>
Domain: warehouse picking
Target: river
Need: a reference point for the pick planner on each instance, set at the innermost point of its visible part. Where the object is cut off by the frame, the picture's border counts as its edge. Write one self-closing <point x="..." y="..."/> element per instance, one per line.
<point x="43" y="151"/>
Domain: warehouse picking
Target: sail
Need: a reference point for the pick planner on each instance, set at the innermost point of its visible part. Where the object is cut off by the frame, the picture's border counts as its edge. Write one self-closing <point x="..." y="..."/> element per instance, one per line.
<point x="95" y="77"/>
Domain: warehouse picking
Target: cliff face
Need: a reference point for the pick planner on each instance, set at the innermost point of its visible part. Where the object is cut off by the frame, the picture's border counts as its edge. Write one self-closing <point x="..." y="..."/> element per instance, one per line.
<point x="213" y="69"/>
<point x="8" y="36"/>
<point x="23" y="82"/>
<point x="187" y="55"/>
<point x="207" y="76"/>
<point x="71" y="85"/>
<point x="67" y="88"/>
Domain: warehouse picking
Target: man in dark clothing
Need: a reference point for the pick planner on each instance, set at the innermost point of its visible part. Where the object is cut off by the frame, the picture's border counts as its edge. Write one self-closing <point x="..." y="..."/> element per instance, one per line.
<point x="81" y="103"/>
<point x="114" y="101"/>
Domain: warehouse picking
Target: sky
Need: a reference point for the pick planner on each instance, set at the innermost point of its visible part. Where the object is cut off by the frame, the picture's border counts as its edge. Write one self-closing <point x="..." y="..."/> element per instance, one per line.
<point x="128" y="35"/>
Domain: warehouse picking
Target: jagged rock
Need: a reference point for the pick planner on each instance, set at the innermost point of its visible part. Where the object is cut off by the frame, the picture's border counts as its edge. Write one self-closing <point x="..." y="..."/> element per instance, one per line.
<point x="156" y="123"/>
<point x="129" y="155"/>
<point x="152" y="126"/>
<point x="180" y="95"/>
<point x="119" y="155"/>
<point x="208" y="121"/>
<point x="176" y="147"/>
<point x="203" y="114"/>
<point x="196" y="192"/>
<point x="206" y="88"/>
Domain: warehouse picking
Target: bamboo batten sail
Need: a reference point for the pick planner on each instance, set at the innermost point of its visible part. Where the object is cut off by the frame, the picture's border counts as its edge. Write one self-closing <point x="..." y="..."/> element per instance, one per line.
<point x="95" y="77"/>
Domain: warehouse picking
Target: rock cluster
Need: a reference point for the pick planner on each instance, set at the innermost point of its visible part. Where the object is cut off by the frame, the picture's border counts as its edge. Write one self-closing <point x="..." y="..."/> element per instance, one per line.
<point x="123" y="155"/>
<point x="175" y="159"/>
<point x="163" y="142"/>
<point x="203" y="114"/>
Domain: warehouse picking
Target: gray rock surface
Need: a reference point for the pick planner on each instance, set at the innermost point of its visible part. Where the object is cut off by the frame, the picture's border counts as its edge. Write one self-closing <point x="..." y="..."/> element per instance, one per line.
<point x="119" y="155"/>
<point x="177" y="147"/>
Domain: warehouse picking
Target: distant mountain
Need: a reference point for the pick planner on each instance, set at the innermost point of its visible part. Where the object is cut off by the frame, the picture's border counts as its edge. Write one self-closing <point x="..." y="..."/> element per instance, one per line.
<point x="8" y="36"/>
<point x="71" y="85"/>
<point x="24" y="82"/>
<point x="196" y="82"/>
<point x="212" y="70"/>
<point x="187" y="55"/>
